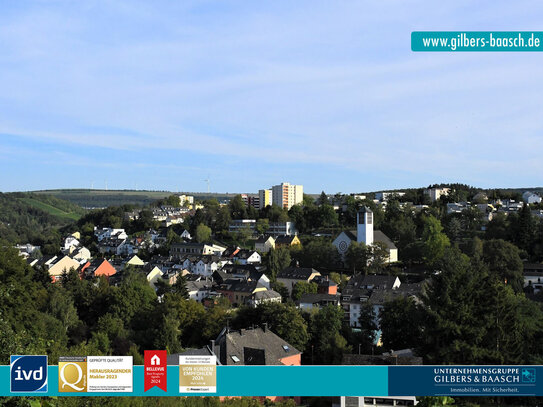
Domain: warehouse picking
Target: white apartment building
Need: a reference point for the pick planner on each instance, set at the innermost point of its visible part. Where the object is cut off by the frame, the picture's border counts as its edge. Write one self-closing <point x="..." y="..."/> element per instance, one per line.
<point x="436" y="193"/>
<point x="286" y="195"/>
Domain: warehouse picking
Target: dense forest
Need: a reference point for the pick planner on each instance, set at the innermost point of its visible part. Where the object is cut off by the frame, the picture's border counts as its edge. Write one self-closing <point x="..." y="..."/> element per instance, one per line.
<point x="32" y="218"/>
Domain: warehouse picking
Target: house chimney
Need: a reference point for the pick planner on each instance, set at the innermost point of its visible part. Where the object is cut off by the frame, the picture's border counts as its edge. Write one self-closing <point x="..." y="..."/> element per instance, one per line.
<point x="265" y="327"/>
<point x="213" y="347"/>
<point x="241" y="332"/>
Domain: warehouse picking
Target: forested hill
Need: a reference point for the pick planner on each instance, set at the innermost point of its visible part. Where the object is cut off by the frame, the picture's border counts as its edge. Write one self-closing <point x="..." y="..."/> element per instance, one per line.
<point x="28" y="217"/>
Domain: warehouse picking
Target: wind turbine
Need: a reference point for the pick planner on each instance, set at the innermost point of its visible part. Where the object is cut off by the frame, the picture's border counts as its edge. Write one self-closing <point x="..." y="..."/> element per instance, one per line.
<point x="207" y="180"/>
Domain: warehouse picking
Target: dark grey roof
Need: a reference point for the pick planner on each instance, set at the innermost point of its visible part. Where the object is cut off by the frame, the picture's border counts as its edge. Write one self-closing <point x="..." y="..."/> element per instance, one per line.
<point x="297" y="273"/>
<point x="193" y="277"/>
<point x="318" y="298"/>
<point x="378" y="236"/>
<point x="239" y="268"/>
<point x="192" y="245"/>
<point x="198" y="285"/>
<point x="371" y="280"/>
<point x="253" y="347"/>
<point x="219" y="276"/>
<point x="240" y="285"/>
<point x="324" y="281"/>
<point x="365" y="209"/>
<point x="244" y="254"/>
<point x="208" y="259"/>
<point x="262" y="239"/>
<point x="266" y="295"/>
<point x="94" y="265"/>
<point x="282" y="239"/>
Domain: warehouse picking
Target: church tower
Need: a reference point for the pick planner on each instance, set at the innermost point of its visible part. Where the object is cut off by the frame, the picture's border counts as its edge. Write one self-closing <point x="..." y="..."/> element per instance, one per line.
<point x="364" y="226"/>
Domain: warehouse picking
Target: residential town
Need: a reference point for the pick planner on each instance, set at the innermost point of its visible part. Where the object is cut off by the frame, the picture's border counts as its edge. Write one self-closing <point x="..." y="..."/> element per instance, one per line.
<point x="325" y="279"/>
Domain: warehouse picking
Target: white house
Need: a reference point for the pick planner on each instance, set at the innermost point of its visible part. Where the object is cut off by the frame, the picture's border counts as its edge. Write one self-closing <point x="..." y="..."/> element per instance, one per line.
<point x="70" y="243"/>
<point x="81" y="254"/>
<point x="264" y="244"/>
<point x="199" y="290"/>
<point x="186" y="235"/>
<point x="360" y="289"/>
<point x="365" y="234"/>
<point x="261" y="297"/>
<point x="107" y="233"/>
<point x="244" y="256"/>
<point x="531" y="198"/>
<point x="153" y="276"/>
<point x="206" y="266"/>
<point x="125" y="248"/>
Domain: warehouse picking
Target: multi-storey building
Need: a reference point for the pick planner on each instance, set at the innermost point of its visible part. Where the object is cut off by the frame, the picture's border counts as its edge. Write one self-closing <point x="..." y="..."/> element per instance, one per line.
<point x="286" y="195"/>
<point x="264" y="198"/>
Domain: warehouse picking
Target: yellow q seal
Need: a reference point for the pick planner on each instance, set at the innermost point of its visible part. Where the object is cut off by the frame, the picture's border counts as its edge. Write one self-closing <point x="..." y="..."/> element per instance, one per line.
<point x="72" y="375"/>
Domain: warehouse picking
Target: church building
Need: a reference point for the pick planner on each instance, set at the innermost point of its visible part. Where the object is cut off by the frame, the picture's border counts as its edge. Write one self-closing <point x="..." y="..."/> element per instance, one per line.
<point x="364" y="233"/>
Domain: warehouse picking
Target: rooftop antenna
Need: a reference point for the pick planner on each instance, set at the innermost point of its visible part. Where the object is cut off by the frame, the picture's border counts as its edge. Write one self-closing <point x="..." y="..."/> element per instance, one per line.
<point x="207" y="180"/>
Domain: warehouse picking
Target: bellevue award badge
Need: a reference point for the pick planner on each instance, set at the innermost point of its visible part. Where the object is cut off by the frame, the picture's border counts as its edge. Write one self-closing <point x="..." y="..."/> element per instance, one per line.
<point x="155" y="365"/>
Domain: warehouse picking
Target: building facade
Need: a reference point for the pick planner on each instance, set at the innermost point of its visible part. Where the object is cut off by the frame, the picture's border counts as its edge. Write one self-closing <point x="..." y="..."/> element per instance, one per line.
<point x="286" y="195"/>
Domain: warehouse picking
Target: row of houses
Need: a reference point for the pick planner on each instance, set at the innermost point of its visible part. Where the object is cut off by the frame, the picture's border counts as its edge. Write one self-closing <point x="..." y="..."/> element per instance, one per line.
<point x="360" y="289"/>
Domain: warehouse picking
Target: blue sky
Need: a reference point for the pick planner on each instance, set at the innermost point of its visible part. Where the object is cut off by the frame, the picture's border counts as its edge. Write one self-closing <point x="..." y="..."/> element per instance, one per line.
<point x="163" y="94"/>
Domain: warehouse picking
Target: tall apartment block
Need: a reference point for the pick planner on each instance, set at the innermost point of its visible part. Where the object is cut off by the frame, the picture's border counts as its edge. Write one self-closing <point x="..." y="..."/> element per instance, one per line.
<point x="287" y="195"/>
<point x="264" y="198"/>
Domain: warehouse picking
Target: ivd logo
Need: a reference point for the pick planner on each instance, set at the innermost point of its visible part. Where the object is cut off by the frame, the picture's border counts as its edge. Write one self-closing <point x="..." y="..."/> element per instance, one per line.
<point x="28" y="374"/>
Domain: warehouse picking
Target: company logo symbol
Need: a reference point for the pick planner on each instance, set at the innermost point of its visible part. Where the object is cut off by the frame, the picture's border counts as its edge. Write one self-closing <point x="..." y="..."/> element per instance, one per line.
<point x="528" y="375"/>
<point x="28" y="373"/>
<point x="155" y="365"/>
<point x="72" y="374"/>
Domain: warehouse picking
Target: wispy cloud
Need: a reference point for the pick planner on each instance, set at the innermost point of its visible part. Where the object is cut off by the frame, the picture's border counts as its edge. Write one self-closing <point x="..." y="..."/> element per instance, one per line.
<point x="326" y="94"/>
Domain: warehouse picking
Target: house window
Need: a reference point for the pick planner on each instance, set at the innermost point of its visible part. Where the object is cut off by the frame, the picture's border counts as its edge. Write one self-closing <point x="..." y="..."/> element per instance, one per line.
<point x="370" y="218"/>
<point x="234" y="358"/>
<point x="286" y="348"/>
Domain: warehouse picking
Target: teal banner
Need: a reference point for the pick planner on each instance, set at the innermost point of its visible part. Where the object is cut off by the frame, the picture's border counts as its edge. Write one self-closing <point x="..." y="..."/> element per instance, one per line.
<point x="376" y="381"/>
<point x="477" y="41"/>
<point x="245" y="381"/>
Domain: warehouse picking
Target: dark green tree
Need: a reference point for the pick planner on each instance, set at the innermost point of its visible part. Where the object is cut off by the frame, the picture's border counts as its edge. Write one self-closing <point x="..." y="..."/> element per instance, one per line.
<point x="238" y="209"/>
<point x="203" y="233"/>
<point x="401" y="324"/>
<point x="357" y="257"/>
<point x="329" y="344"/>
<point x="301" y="288"/>
<point x="277" y="260"/>
<point x="503" y="261"/>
